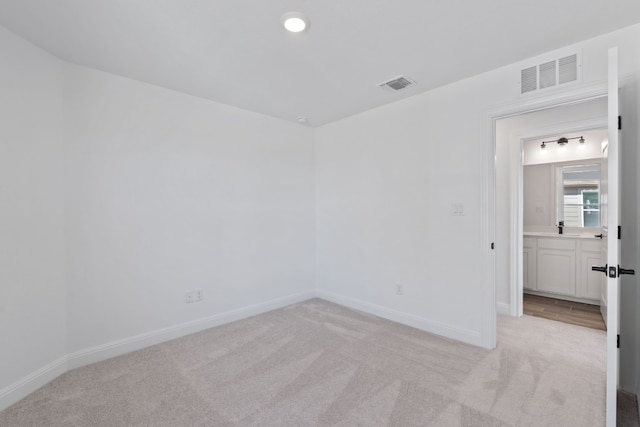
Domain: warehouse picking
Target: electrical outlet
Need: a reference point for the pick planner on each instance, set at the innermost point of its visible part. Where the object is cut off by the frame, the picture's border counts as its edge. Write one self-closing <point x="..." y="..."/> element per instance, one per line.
<point x="189" y="297"/>
<point x="199" y="294"/>
<point x="399" y="290"/>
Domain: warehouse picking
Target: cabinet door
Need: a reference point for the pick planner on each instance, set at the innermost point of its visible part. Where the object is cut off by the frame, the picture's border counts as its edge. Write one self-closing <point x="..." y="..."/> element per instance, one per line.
<point x="556" y="272"/>
<point x="528" y="268"/>
<point x="590" y="281"/>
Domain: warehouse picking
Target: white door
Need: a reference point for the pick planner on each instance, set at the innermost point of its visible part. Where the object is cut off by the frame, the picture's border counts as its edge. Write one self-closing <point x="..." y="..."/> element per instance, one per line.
<point x="604" y="171"/>
<point x="610" y="221"/>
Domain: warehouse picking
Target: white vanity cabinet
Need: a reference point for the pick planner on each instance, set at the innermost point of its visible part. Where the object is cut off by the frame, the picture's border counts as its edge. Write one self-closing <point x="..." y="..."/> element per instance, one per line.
<point x="561" y="267"/>
<point x="556" y="266"/>
<point x="591" y="282"/>
<point x="529" y="263"/>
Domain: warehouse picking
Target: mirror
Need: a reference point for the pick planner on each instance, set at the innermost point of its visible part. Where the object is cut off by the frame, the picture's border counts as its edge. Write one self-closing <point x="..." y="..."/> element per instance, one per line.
<point x="578" y="195"/>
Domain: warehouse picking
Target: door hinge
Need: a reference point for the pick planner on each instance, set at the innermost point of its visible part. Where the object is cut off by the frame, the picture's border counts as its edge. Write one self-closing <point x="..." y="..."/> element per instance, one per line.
<point x="493" y="245"/>
<point x="619" y="232"/>
<point x="618" y="343"/>
<point x="619" y="122"/>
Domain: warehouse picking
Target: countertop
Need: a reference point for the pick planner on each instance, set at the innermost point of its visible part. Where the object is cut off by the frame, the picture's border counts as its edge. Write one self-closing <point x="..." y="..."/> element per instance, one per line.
<point x="585" y="235"/>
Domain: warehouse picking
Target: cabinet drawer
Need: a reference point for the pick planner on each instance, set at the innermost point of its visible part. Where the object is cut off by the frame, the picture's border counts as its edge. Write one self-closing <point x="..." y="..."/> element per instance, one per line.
<point x="591" y="245"/>
<point x="557" y="243"/>
<point x="529" y="242"/>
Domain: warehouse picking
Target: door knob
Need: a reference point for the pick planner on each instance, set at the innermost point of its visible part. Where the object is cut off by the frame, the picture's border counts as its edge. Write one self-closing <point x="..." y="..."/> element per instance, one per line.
<point x="600" y="269"/>
<point x="622" y="271"/>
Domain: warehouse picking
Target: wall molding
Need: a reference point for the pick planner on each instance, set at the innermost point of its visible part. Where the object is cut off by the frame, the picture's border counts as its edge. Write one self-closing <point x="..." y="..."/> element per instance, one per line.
<point x="147" y="339"/>
<point x="504" y="308"/>
<point x="465" y="335"/>
<point x="30" y="383"/>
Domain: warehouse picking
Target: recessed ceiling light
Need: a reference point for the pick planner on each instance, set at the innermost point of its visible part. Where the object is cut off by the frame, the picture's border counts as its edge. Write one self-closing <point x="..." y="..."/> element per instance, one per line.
<point x="295" y="22"/>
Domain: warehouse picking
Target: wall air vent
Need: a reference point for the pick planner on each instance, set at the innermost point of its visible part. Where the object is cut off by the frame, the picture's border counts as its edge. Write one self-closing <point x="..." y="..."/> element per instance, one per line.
<point x="547" y="74"/>
<point x="550" y="73"/>
<point x="568" y="69"/>
<point x="397" y="83"/>
<point x="528" y="79"/>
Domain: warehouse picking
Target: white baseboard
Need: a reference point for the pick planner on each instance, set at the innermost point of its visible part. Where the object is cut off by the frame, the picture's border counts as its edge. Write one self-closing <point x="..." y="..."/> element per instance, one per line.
<point x="465" y="335"/>
<point x="21" y="388"/>
<point x="137" y="342"/>
<point x="503" y="308"/>
<point x="27" y="385"/>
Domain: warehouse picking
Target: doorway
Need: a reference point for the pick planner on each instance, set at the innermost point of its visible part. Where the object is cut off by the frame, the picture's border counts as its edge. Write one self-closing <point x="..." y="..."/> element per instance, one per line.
<point x="518" y="145"/>
<point x="561" y="224"/>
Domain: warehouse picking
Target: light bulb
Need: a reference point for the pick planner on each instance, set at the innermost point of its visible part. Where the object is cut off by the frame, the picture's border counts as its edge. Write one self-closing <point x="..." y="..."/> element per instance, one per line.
<point x="295" y="22"/>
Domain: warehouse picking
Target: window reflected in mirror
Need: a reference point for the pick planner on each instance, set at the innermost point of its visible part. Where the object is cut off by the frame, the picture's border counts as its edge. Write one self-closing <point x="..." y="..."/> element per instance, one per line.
<point x="579" y="195"/>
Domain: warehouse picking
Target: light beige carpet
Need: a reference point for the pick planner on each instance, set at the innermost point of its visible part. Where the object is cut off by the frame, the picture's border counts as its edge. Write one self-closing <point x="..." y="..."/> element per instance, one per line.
<point x="320" y="364"/>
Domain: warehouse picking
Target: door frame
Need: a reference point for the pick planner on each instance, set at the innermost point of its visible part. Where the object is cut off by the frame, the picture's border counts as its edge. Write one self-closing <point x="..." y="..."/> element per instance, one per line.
<point x="488" y="190"/>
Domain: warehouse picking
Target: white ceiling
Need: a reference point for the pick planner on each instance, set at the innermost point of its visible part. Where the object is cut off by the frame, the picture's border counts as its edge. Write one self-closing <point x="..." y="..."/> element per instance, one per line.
<point x="236" y="51"/>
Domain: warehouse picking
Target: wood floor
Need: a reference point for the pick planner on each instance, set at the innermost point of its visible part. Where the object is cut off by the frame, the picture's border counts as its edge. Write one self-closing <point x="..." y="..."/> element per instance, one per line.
<point x="576" y="313"/>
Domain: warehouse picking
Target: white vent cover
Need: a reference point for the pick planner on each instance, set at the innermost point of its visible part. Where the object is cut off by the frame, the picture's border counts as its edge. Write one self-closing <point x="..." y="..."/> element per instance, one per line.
<point x="568" y="69"/>
<point x="397" y="83"/>
<point x="549" y="74"/>
<point x="529" y="79"/>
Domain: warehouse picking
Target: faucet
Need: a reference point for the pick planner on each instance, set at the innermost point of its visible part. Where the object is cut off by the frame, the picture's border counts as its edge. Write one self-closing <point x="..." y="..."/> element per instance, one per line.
<point x="560" y="226"/>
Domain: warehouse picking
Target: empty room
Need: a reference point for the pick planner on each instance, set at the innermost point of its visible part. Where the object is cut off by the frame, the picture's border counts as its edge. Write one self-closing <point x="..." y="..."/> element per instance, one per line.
<point x="298" y="213"/>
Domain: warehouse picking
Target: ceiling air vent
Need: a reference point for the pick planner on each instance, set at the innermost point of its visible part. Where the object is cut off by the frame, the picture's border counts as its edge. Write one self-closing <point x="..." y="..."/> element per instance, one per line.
<point x="398" y="83"/>
<point x="550" y="74"/>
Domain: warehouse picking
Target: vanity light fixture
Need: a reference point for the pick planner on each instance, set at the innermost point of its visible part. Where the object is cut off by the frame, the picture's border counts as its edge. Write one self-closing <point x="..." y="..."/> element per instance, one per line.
<point x="295" y="22"/>
<point x="562" y="141"/>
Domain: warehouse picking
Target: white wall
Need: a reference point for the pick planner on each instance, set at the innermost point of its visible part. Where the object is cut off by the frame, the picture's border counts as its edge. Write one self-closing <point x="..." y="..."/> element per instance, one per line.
<point x="118" y="196"/>
<point x="168" y="192"/>
<point x="386" y="180"/>
<point x="32" y="247"/>
<point x="538" y="190"/>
